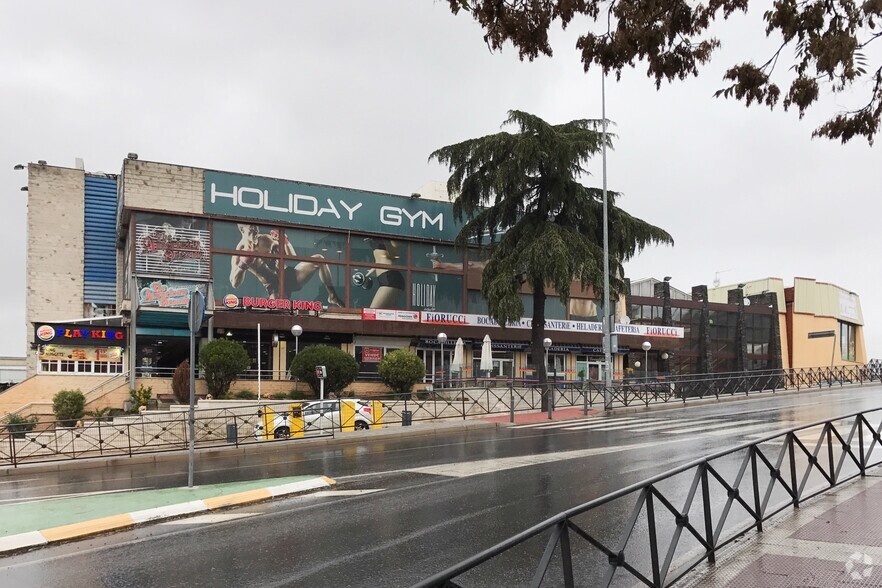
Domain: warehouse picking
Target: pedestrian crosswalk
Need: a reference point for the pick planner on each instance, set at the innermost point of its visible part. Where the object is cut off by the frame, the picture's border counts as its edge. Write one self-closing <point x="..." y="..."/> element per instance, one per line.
<point x="669" y="425"/>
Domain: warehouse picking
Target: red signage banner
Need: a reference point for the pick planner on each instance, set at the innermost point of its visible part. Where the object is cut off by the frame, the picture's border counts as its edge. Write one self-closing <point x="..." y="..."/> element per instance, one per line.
<point x="371" y="354"/>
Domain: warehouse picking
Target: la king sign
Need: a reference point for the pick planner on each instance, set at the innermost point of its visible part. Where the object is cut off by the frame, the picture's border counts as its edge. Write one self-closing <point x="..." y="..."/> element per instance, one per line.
<point x="300" y="203"/>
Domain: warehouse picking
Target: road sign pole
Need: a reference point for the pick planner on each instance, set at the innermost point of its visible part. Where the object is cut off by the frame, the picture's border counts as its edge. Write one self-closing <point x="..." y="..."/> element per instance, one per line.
<point x="195" y="316"/>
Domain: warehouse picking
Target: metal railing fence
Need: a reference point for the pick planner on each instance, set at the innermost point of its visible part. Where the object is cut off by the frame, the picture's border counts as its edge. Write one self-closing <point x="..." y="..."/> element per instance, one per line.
<point x="163" y="431"/>
<point x="723" y="497"/>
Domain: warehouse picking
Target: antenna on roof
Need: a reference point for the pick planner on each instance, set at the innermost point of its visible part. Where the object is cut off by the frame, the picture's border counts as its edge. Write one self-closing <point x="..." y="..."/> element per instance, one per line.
<point x="717" y="277"/>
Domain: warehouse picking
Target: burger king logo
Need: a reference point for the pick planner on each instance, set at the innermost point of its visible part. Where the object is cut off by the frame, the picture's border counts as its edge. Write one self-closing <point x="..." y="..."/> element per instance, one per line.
<point x="231" y="301"/>
<point x="45" y="333"/>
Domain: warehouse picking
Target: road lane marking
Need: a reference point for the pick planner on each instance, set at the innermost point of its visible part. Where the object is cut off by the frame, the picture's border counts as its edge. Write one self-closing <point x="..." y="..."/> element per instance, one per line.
<point x="708" y="426"/>
<point x="597" y="420"/>
<point x="74" y="495"/>
<point x="637" y="428"/>
<point x="486" y="466"/>
<point x="208" y="519"/>
<point x="334" y="493"/>
<point x="764" y="427"/>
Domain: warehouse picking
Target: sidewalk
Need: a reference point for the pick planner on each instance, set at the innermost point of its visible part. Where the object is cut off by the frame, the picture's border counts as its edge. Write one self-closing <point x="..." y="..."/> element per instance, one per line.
<point x="834" y="540"/>
<point x="29" y="524"/>
<point x="522" y="418"/>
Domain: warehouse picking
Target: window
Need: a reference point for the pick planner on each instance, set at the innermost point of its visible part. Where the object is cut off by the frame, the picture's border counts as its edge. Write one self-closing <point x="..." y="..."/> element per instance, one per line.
<point x="847" y="341"/>
<point x="304" y="243"/>
<point x="439" y="292"/>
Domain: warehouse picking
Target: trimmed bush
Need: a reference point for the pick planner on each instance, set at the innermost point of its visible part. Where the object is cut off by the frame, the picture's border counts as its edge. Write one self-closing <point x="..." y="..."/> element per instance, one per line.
<point x="244" y="395"/>
<point x="181" y="382"/>
<point x="342" y="368"/>
<point x="18" y="425"/>
<point x="401" y="369"/>
<point x="221" y="362"/>
<point x="69" y="406"/>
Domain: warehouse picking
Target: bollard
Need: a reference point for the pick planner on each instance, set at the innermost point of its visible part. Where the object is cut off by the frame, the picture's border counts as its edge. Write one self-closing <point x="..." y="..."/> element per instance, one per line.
<point x="550" y="396"/>
<point x="511" y="405"/>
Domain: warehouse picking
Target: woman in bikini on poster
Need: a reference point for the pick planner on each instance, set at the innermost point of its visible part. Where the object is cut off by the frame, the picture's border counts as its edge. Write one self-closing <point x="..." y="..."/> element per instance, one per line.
<point x="390" y="293"/>
<point x="267" y="272"/>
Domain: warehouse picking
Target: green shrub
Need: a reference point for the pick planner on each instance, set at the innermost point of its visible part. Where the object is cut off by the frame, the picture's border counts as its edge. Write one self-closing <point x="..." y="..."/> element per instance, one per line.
<point x="221" y="362"/>
<point x="100" y="414"/>
<point x="401" y="369"/>
<point x="18" y="425"/>
<point x="69" y="406"/>
<point x="278" y="396"/>
<point x="342" y="368"/>
<point x="244" y="395"/>
<point x="181" y="382"/>
<point x="296" y="394"/>
<point x="140" y="397"/>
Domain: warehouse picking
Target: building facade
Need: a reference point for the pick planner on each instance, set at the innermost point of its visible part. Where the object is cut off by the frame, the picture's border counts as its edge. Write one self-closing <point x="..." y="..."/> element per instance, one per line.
<point x="114" y="260"/>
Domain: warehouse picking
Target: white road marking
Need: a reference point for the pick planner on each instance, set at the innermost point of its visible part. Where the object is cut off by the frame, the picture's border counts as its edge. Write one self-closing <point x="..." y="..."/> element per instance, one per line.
<point x="659" y="425"/>
<point x="208" y="519"/>
<point x="597" y="420"/>
<point x="18" y="480"/>
<point x="486" y="466"/>
<point x="617" y="426"/>
<point x="766" y="428"/>
<point x="708" y="426"/>
<point x="75" y="495"/>
<point x="333" y="493"/>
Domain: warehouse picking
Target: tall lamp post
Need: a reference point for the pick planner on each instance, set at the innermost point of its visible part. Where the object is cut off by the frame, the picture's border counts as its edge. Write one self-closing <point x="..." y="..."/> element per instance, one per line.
<point x="296" y="330"/>
<point x="442" y="339"/>
<point x="646" y="347"/>
<point x="546" y="343"/>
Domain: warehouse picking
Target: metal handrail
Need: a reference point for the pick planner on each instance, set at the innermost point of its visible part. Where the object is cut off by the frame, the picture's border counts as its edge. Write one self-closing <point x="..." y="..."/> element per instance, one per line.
<point x="710" y="539"/>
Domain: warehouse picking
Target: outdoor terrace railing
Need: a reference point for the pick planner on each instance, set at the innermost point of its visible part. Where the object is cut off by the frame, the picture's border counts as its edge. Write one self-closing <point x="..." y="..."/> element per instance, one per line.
<point x="655" y="532"/>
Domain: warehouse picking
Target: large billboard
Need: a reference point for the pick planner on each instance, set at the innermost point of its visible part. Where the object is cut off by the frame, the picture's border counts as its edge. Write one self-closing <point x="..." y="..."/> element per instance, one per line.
<point x="171" y="245"/>
<point x="327" y="206"/>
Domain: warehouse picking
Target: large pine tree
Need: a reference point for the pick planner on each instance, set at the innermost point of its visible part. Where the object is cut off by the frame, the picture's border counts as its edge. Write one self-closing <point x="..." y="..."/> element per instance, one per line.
<point x="519" y="194"/>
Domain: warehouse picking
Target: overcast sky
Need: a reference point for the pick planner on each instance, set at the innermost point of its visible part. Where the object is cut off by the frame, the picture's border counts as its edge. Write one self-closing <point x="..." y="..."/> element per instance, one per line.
<point x="358" y="94"/>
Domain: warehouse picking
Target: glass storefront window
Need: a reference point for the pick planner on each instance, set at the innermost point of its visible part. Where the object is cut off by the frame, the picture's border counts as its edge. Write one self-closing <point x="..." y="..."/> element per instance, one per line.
<point x="308" y="281"/>
<point x="441" y="292"/>
<point x="254" y="238"/>
<point x="377" y="288"/>
<point x="245" y="275"/>
<point x="503" y="365"/>
<point x="476" y="303"/>
<point x="583" y="309"/>
<point x="81" y="360"/>
<point x="316" y="243"/>
<point x="435" y="256"/>
<point x="378" y="251"/>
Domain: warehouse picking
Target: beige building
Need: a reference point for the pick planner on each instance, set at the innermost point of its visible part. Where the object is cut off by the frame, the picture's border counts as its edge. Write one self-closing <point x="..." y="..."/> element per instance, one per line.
<point x="822" y="324"/>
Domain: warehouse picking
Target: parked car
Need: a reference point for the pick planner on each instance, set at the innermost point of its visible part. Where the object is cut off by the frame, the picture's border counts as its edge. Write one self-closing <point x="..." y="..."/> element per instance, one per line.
<point x="318" y="416"/>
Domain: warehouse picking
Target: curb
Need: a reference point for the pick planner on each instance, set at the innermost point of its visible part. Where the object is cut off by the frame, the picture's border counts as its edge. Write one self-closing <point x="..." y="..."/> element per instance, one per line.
<point x="121" y="521"/>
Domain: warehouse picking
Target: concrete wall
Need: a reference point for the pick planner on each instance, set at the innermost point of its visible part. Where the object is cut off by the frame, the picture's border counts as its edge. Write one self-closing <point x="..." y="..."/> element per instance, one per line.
<point x="56" y="208"/>
<point x="162" y="186"/>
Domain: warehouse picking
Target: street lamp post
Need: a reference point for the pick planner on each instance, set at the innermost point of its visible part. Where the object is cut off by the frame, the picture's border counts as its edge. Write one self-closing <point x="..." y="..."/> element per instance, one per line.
<point x="646" y="347"/>
<point x="547" y="343"/>
<point x="296" y="330"/>
<point x="442" y="339"/>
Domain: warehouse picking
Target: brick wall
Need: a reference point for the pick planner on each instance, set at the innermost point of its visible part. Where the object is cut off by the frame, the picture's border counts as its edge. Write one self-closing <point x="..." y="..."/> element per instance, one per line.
<point x="56" y="204"/>
<point x="162" y="186"/>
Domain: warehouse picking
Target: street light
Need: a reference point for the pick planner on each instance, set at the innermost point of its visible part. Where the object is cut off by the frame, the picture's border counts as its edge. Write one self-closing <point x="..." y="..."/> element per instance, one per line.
<point x="546" y="342"/>
<point x="442" y="339"/>
<point x="296" y="330"/>
<point x="646" y="347"/>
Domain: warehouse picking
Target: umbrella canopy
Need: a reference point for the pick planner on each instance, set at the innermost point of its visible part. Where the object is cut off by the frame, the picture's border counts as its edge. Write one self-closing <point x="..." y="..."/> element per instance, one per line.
<point x="486" y="355"/>
<point x="456" y="364"/>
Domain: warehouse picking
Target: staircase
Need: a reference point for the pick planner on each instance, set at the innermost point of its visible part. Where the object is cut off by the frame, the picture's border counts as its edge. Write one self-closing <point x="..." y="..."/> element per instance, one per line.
<point x="34" y="395"/>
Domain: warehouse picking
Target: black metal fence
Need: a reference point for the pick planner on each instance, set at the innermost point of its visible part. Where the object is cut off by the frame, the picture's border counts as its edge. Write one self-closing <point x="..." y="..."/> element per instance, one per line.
<point x="166" y="430"/>
<point x="665" y="526"/>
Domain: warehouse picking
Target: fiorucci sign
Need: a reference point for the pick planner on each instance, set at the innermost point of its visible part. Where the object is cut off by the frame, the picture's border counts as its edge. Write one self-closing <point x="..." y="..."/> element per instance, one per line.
<point x="283" y="201"/>
<point x="480" y="320"/>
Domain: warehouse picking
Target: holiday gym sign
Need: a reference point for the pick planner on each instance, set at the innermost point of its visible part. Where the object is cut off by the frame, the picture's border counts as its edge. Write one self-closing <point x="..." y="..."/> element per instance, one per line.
<point x="326" y="206"/>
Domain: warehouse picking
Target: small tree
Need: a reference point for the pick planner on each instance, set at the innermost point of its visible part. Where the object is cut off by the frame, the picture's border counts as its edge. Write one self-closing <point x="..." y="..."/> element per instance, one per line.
<point x="401" y="369"/>
<point x="140" y="397"/>
<point x="181" y="382"/>
<point x="342" y="367"/>
<point x="69" y="406"/>
<point x="221" y="362"/>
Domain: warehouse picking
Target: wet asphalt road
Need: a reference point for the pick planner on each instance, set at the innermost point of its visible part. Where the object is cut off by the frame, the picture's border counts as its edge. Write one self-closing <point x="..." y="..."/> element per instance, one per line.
<point x="405" y="508"/>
